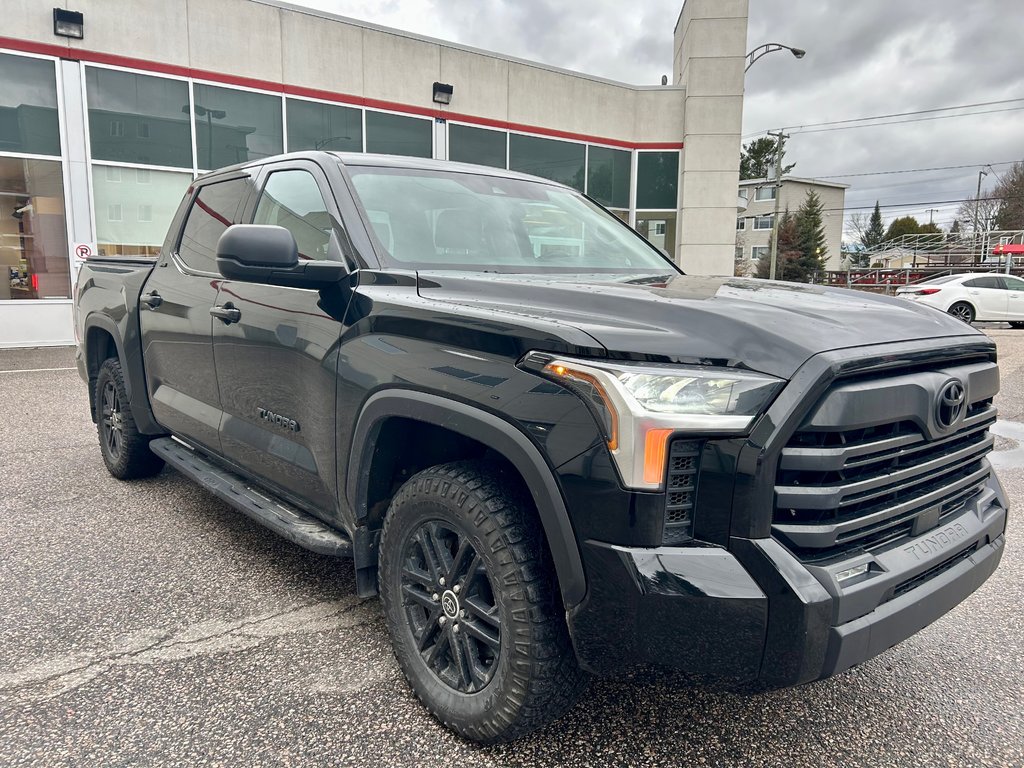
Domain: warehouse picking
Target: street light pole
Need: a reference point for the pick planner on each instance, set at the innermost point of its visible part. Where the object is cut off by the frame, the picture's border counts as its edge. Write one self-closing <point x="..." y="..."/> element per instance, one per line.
<point x="977" y="206"/>
<point x="763" y="50"/>
<point x="778" y="193"/>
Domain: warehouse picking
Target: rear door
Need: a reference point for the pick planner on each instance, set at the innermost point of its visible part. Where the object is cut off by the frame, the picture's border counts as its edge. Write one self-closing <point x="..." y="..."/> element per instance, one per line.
<point x="988" y="296"/>
<point x="277" y="364"/>
<point x="174" y="315"/>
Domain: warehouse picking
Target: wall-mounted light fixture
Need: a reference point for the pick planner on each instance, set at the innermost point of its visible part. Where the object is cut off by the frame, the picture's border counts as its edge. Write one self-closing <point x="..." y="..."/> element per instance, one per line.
<point x="443" y="93"/>
<point x="68" y="23"/>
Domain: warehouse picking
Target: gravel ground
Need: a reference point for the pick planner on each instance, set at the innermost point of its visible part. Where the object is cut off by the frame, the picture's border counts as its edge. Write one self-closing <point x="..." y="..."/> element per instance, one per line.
<point x="147" y="623"/>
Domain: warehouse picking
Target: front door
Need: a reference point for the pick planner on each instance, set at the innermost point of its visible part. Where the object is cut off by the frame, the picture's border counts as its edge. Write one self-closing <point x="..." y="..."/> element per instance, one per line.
<point x="1015" y="299"/>
<point x="174" y="316"/>
<point x="277" y="355"/>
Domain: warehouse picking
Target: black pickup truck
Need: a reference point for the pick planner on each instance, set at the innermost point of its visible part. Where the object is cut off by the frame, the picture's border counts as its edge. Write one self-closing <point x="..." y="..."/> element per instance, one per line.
<point x="548" y="450"/>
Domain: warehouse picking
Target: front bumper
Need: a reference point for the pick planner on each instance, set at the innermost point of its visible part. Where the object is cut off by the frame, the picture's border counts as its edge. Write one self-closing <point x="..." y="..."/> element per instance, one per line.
<point x="754" y="614"/>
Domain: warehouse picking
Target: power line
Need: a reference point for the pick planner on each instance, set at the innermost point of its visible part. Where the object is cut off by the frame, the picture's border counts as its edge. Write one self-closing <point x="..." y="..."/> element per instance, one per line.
<point x="909" y="170"/>
<point x="915" y="204"/>
<point x="899" y="114"/>
<point x="911" y="120"/>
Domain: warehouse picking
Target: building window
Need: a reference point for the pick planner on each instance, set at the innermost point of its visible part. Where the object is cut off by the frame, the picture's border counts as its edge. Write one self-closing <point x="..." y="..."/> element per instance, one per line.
<point x="138" y="211"/>
<point x="33" y="233"/>
<point x="480" y="146"/>
<point x="745" y="193"/>
<point x="763" y="222"/>
<point x="113" y="174"/>
<point x="759" y="252"/>
<point x="560" y="161"/>
<point x="658" y="227"/>
<point x="28" y="106"/>
<point x="608" y="176"/>
<point x="741" y="224"/>
<point x="399" y="135"/>
<point x="657" y="178"/>
<point x="765" y="193"/>
<point x="235" y="126"/>
<point x="125" y="107"/>
<point x="738" y="254"/>
<point x="313" y="125"/>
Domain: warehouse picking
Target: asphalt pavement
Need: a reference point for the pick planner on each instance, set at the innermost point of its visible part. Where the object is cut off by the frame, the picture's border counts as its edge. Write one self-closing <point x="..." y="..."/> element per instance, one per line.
<point x="148" y="624"/>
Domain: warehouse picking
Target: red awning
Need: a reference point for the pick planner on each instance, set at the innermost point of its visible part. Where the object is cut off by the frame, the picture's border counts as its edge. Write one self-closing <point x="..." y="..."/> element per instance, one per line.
<point x="1008" y="248"/>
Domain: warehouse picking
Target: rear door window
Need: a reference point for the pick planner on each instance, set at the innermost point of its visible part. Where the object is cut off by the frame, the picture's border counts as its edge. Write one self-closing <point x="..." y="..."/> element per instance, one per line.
<point x="214" y="209"/>
<point x="984" y="282"/>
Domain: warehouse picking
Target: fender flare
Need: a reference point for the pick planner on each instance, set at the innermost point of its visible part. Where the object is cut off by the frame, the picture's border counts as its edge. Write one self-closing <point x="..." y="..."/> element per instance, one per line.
<point x="492" y="431"/>
<point x="134" y="376"/>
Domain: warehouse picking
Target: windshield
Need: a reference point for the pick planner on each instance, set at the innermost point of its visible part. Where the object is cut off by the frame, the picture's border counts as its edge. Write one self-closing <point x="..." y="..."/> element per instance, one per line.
<point x="427" y="219"/>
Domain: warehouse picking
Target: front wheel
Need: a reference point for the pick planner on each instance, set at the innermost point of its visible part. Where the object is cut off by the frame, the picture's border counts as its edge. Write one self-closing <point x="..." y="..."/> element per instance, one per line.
<point x="472" y="606"/>
<point x="962" y="311"/>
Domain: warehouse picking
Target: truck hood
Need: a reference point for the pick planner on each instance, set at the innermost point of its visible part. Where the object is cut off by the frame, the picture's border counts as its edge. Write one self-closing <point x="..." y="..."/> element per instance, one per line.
<point x="771" y="327"/>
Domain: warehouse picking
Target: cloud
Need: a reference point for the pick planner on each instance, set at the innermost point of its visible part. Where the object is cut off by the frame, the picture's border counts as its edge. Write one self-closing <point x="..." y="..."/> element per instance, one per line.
<point x="869" y="57"/>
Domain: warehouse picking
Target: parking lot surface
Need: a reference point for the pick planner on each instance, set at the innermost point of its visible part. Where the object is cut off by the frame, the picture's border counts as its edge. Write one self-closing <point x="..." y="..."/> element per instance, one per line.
<point x="147" y="623"/>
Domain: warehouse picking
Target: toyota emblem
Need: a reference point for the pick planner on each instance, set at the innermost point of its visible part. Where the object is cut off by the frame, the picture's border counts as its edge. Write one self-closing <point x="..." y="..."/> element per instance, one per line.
<point x="951" y="404"/>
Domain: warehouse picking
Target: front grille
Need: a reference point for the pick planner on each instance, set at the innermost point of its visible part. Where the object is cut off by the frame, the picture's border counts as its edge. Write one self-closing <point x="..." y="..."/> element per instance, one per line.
<point x="681" y="490"/>
<point x="840" y="491"/>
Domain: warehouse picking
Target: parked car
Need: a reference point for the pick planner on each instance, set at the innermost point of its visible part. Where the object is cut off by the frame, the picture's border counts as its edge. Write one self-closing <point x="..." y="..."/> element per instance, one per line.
<point x="984" y="296"/>
<point x="548" y="450"/>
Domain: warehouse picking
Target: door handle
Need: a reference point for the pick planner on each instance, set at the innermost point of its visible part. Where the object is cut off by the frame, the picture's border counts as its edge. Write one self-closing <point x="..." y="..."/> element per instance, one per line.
<point x="151" y="300"/>
<point x="227" y="313"/>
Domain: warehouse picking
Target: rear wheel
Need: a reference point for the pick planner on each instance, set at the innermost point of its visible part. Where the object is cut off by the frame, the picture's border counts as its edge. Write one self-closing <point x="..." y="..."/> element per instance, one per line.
<point x="962" y="311"/>
<point x="125" y="451"/>
<point x="472" y="606"/>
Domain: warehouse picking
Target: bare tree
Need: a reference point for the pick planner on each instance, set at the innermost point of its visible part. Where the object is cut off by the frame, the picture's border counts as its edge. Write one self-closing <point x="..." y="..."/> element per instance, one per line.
<point x="982" y="211"/>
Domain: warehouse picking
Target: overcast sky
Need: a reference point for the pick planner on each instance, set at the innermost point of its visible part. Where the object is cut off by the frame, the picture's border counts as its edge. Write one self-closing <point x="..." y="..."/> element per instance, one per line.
<point x="865" y="58"/>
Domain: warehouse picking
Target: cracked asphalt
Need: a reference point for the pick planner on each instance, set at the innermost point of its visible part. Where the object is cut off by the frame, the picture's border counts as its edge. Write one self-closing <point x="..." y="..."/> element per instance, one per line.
<point x="148" y="624"/>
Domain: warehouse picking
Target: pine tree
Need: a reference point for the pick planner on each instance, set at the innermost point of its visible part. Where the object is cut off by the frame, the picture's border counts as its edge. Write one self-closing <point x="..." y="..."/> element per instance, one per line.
<point x="875" y="233"/>
<point x="787" y="252"/>
<point x="810" y="228"/>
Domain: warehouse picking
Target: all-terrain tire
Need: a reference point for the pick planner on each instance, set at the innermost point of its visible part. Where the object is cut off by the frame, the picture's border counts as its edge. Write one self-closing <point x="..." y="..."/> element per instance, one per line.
<point x="963" y="311"/>
<point x="125" y="451"/>
<point x="505" y="689"/>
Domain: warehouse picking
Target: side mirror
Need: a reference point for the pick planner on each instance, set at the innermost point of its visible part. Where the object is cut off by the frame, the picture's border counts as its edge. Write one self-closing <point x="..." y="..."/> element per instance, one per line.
<point x="261" y="253"/>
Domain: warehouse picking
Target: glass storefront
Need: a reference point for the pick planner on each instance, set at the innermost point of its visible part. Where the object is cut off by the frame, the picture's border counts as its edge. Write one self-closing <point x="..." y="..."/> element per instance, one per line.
<point x="33" y="233"/>
<point x="133" y="207"/>
<point x="390" y="134"/>
<point x="657" y="179"/>
<point x="608" y="176"/>
<point x="234" y="126"/>
<point x="138" y="118"/>
<point x="467" y="144"/>
<point x="314" y="125"/>
<point x="561" y="161"/>
<point x="659" y="227"/>
<point x="28" y="106"/>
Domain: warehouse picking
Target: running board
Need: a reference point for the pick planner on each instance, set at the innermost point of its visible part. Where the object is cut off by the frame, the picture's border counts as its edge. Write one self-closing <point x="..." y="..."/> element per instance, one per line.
<point x="294" y="525"/>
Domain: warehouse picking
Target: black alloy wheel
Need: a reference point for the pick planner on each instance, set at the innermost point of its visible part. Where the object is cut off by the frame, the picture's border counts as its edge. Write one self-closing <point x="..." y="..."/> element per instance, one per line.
<point x="472" y="602"/>
<point x="450" y="606"/>
<point x="111" y="421"/>
<point x="125" y="450"/>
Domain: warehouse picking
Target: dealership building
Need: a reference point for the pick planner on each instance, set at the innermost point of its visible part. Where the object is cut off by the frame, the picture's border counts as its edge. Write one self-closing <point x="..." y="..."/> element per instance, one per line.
<point x="110" y="108"/>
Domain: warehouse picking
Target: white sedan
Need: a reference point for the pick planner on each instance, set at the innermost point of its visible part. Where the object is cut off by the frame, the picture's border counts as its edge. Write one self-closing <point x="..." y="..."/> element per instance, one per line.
<point x="973" y="296"/>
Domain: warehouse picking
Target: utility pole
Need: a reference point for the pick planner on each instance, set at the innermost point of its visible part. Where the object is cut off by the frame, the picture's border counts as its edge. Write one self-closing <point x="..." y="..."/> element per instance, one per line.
<point x="931" y="215"/>
<point x="977" y="204"/>
<point x="779" y="150"/>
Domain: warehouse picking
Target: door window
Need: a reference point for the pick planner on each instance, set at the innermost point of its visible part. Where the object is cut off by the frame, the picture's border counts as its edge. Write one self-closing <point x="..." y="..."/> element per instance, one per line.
<point x="1014" y="283"/>
<point x="292" y="199"/>
<point x="214" y="210"/>
<point x="984" y="282"/>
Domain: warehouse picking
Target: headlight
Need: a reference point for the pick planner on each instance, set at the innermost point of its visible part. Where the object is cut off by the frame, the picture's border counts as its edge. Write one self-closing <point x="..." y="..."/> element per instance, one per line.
<point x="640" y="406"/>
